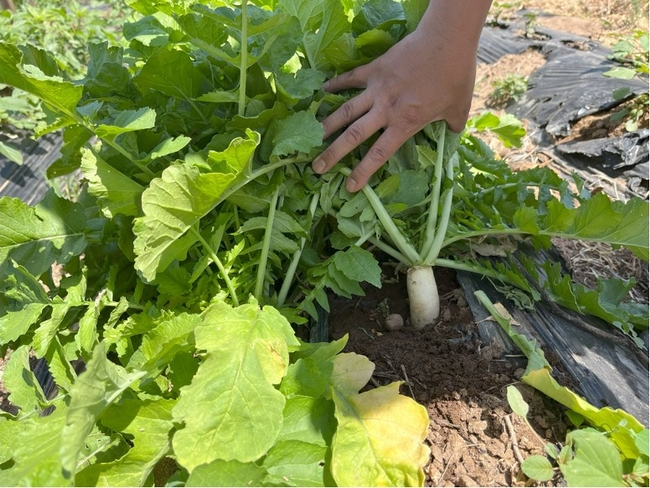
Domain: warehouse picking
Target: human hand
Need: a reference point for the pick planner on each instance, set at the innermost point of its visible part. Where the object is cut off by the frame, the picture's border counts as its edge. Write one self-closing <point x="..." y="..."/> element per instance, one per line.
<point x="423" y="78"/>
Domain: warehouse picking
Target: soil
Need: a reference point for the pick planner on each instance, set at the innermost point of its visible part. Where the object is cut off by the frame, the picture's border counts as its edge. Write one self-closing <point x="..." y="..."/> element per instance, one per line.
<point x="474" y="437"/>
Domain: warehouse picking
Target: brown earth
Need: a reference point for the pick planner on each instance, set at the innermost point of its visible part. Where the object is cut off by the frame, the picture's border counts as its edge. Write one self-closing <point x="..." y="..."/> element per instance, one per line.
<point x="474" y="437"/>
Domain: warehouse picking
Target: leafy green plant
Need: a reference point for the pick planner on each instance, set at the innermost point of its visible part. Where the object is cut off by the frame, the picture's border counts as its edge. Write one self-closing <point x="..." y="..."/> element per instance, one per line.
<point x="202" y="233"/>
<point x="611" y="451"/>
<point x="63" y="29"/>
<point x="498" y="9"/>
<point x="632" y="52"/>
<point x="507" y="90"/>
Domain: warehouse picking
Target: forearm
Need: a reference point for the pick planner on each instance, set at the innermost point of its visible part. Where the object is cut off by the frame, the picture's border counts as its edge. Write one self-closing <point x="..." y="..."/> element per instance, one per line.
<point x="460" y="22"/>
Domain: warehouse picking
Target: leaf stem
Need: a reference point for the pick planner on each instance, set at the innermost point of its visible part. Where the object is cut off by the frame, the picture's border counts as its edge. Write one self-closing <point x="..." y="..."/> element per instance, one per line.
<point x="243" y="55"/>
<point x="474" y="268"/>
<point x="219" y="264"/>
<point x="396" y="236"/>
<point x="445" y="214"/>
<point x="256" y="174"/>
<point x="482" y="233"/>
<point x="295" y="260"/>
<point x="390" y="251"/>
<point x="134" y="306"/>
<point x="266" y="246"/>
<point x="432" y="218"/>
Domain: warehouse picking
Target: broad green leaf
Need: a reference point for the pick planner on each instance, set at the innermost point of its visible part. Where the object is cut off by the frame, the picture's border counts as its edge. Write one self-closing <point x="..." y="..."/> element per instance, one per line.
<point x="74" y="138"/>
<point x="227" y="473"/>
<point x="48" y="329"/>
<point x="413" y="11"/>
<point x="378" y="14"/>
<point x="517" y="402"/>
<point x="16" y="323"/>
<point x="17" y="283"/>
<point x="601" y="220"/>
<point x="36" y="237"/>
<point x="21" y="383"/>
<point x="179" y="199"/>
<point x="171" y="205"/>
<point x="306" y="377"/>
<point x="59" y="94"/>
<point x="300" y="132"/>
<point x="149" y="31"/>
<point x="340" y="283"/>
<point x="62" y="371"/>
<point x="220" y="96"/>
<point x="116" y="192"/>
<point x="167" y="147"/>
<point x="148" y="423"/>
<point x="98" y="387"/>
<point x="236" y="156"/>
<point x="87" y="336"/>
<point x="208" y="34"/>
<point x="11" y="152"/>
<point x="538" y="468"/>
<point x="127" y="121"/>
<point x="507" y="128"/>
<point x="35" y="444"/>
<point x="620" y="72"/>
<point x="309" y="13"/>
<point x="359" y="265"/>
<point x="247" y="355"/>
<point x="161" y="343"/>
<point x="332" y="24"/>
<point x="641" y="441"/>
<point x="172" y="73"/>
<point x="308" y="419"/>
<point x="380" y="433"/>
<point x="272" y="37"/>
<point x="605" y="302"/>
<point x="596" y="461"/>
<point x="299" y="85"/>
<point x="295" y="463"/>
<point x="374" y="42"/>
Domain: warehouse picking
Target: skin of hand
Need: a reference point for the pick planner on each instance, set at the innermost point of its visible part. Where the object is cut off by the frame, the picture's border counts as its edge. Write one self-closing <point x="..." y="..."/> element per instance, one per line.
<point x="427" y="76"/>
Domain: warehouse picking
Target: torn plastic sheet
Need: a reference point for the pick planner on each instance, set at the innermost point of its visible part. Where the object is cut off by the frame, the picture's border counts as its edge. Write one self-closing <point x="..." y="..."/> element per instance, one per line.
<point x="610" y="152"/>
<point x="497" y="42"/>
<point x="568" y="87"/>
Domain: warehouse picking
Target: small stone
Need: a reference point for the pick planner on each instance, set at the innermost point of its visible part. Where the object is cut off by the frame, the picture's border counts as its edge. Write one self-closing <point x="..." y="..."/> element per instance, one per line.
<point x="477" y="427"/>
<point x="394" y="321"/>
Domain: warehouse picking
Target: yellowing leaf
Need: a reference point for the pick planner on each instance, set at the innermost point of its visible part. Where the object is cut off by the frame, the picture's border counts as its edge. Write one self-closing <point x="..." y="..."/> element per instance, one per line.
<point x="379" y="439"/>
<point x="233" y="391"/>
<point x="351" y="372"/>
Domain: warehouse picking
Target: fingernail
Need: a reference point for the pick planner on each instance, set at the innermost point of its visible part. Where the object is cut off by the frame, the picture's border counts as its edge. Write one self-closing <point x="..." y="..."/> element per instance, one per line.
<point x="351" y="185"/>
<point x="319" y="166"/>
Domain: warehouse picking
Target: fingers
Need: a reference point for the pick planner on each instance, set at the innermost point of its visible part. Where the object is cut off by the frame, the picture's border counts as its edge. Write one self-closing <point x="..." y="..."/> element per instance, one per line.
<point x="355" y="78"/>
<point x="346" y="114"/>
<point x="385" y="146"/>
<point x="352" y="137"/>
